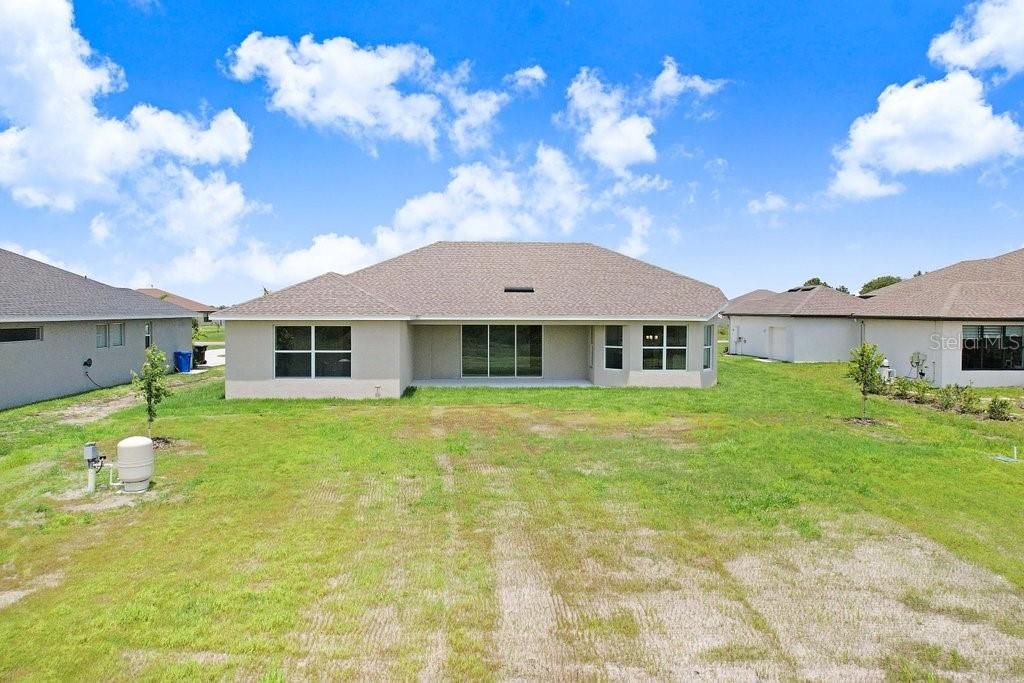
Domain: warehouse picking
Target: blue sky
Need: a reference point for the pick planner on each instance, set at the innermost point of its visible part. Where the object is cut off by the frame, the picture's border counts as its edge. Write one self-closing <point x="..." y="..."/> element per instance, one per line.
<point x="202" y="148"/>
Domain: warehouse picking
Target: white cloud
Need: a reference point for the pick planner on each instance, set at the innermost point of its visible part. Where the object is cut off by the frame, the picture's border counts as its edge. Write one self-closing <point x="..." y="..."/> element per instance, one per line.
<point x="670" y="84"/>
<point x="374" y="93"/>
<point x="717" y="168"/>
<point x="772" y="202"/>
<point x="640" y="183"/>
<point x="99" y="228"/>
<point x="338" y="84"/>
<point x="922" y="127"/>
<point x="609" y="135"/>
<point x="480" y="202"/>
<point x="528" y="78"/>
<point x="989" y="35"/>
<point x="639" y="219"/>
<point x="59" y="149"/>
<point x="474" y="111"/>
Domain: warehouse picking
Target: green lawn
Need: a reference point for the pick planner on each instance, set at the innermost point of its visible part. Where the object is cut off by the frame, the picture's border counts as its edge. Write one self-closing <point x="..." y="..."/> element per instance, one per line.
<point x="210" y="332"/>
<point x="749" y="530"/>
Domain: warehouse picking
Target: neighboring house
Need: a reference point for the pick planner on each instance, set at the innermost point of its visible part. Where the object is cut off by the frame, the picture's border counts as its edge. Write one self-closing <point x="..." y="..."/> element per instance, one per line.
<point x="963" y="324"/>
<point x="465" y="313"/>
<point x="755" y="295"/>
<point x="801" y="325"/>
<point x="202" y="311"/>
<point x="62" y="333"/>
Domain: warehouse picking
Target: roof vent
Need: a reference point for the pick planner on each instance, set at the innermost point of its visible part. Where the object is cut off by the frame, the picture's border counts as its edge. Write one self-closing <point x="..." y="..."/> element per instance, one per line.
<point x="519" y="290"/>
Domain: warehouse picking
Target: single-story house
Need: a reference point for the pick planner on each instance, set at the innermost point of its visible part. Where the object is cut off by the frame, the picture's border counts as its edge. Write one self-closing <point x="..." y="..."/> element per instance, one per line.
<point x="472" y="313"/>
<point x="202" y="311"/>
<point x="801" y="325"/>
<point x="963" y="324"/>
<point x="61" y="333"/>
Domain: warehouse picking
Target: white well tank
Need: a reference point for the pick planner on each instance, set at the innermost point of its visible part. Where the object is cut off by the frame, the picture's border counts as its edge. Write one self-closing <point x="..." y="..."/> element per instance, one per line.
<point x="135" y="463"/>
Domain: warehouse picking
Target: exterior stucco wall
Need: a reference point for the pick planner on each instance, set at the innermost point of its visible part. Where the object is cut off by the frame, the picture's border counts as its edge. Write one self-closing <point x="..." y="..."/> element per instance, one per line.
<point x="436" y="351"/>
<point x="377" y="356"/>
<point x="565" y="352"/>
<point x="38" y="370"/>
<point x="897" y="340"/>
<point x="940" y="340"/>
<point x="761" y="337"/>
<point x="793" y="339"/>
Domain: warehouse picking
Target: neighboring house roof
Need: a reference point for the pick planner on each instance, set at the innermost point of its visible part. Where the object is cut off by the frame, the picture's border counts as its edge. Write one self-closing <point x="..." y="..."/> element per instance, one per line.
<point x="465" y="280"/>
<point x="742" y="299"/>
<point x="184" y="302"/>
<point x="34" y="291"/>
<point x="982" y="289"/>
<point x="817" y="302"/>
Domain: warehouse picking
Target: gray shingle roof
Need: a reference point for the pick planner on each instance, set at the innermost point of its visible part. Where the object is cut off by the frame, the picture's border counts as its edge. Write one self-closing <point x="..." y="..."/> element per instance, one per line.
<point x="819" y="301"/>
<point x="177" y="300"/>
<point x="327" y="295"/>
<point x="742" y="299"/>
<point x="32" y="290"/>
<point x="983" y="289"/>
<point x="468" y="280"/>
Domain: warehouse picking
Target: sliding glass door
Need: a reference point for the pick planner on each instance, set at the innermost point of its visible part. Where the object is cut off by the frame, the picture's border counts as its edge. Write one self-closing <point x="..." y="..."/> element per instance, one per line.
<point x="502" y="350"/>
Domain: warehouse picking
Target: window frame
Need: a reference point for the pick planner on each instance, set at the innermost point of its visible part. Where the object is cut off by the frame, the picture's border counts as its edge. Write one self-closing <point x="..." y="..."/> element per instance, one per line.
<point x="147" y="331"/>
<point x="1006" y="353"/>
<point x="709" y="347"/>
<point x="105" y="328"/>
<point x="37" y="328"/>
<point x="312" y="352"/>
<point x="110" y="338"/>
<point x="665" y="348"/>
<point x="515" y="351"/>
<point x="621" y="347"/>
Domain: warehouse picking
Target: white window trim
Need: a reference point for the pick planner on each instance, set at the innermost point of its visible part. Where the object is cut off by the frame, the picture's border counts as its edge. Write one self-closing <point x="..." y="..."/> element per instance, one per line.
<point x="515" y="353"/>
<point x="665" y="348"/>
<point x="39" y="332"/>
<point x="710" y="362"/>
<point x="312" y="352"/>
<point x="621" y="347"/>
<point x="106" y="336"/>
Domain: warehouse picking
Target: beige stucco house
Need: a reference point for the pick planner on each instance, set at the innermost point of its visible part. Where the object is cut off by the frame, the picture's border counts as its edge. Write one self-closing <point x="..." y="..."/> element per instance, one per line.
<point x="963" y="324"/>
<point x="476" y="313"/>
<point x="61" y="333"/>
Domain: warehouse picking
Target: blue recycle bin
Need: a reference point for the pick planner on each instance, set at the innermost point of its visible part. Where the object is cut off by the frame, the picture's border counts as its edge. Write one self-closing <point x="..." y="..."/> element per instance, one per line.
<point x="183" y="361"/>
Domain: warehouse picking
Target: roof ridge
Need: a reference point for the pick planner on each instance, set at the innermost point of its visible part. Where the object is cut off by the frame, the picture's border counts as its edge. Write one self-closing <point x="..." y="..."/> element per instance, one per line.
<point x="651" y="266"/>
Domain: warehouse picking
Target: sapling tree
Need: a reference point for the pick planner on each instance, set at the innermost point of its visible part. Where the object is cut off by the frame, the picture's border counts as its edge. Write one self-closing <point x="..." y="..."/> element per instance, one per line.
<point x="152" y="383"/>
<point x="865" y="362"/>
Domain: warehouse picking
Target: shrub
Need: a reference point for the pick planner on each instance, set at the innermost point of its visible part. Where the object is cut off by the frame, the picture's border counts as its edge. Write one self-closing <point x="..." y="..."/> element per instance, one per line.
<point x="1000" y="408"/>
<point x="921" y="390"/>
<point x="947" y="397"/>
<point x="152" y="383"/>
<point x="901" y="387"/>
<point x="970" y="402"/>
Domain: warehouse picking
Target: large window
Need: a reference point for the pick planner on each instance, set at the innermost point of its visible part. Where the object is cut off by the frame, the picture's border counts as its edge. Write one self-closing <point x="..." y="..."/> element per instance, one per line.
<point x="312" y="351"/>
<point x="613" y="347"/>
<point x="664" y="347"/>
<point x="709" y="345"/>
<point x="502" y="350"/>
<point x="19" y="334"/>
<point x="993" y="347"/>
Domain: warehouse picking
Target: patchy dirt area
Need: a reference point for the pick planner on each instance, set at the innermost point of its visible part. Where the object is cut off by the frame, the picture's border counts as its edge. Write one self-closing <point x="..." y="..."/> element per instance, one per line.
<point x="871" y="594"/>
<point x="85" y="412"/>
<point x="12" y="595"/>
